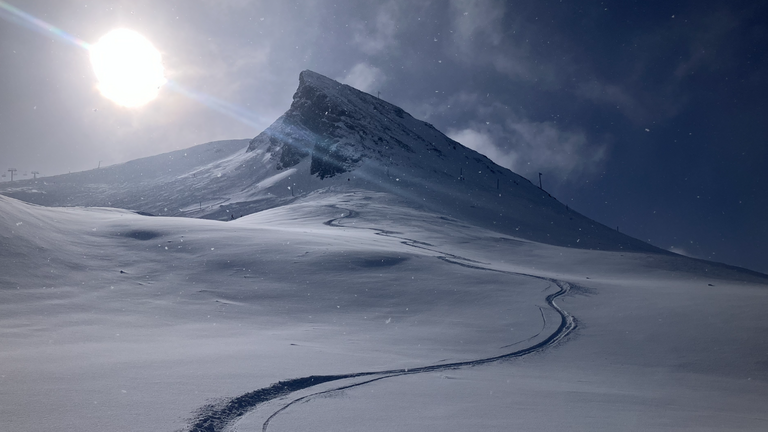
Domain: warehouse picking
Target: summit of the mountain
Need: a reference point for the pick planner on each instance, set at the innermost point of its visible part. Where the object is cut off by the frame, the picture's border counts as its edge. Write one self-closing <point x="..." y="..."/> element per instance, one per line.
<point x="338" y="127"/>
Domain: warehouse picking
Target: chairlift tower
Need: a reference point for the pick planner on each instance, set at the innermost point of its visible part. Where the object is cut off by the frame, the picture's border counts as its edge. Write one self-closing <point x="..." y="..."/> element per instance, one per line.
<point x="34" y="175"/>
<point x="12" y="170"/>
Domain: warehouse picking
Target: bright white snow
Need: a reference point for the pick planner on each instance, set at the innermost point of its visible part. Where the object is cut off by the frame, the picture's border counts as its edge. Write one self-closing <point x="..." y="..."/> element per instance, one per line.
<point x="350" y="237"/>
<point x="208" y="309"/>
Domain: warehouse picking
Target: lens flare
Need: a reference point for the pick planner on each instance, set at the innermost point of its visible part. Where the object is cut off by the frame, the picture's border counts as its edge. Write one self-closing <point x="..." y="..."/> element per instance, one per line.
<point x="17" y="16"/>
<point x="129" y="68"/>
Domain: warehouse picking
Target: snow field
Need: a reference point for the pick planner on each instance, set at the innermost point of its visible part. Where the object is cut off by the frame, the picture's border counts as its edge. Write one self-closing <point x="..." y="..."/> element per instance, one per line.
<point x="205" y="309"/>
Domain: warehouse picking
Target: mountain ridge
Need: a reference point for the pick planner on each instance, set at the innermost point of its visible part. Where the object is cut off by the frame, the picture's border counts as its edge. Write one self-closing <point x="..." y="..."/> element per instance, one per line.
<point x="329" y="112"/>
<point x="333" y="138"/>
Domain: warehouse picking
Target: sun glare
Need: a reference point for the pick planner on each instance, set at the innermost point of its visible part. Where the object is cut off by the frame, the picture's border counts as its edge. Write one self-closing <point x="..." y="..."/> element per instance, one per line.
<point x="128" y="67"/>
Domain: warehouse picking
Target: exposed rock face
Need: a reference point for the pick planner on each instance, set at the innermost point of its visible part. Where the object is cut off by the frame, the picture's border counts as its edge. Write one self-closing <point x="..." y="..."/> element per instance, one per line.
<point x="335" y="124"/>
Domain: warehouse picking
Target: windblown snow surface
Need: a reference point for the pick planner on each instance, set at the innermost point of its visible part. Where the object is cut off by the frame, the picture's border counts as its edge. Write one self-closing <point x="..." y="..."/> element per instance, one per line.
<point x="381" y="293"/>
<point x="116" y="321"/>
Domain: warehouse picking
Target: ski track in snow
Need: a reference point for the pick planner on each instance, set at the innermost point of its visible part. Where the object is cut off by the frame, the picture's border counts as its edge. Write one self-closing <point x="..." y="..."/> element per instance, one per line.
<point x="218" y="417"/>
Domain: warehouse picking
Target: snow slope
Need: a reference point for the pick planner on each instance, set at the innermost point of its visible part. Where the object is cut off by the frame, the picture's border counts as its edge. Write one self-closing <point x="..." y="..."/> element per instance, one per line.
<point x="111" y="320"/>
<point x="392" y="287"/>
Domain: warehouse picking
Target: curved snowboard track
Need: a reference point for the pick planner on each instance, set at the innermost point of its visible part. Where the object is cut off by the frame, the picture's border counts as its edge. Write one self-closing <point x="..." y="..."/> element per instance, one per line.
<point x="217" y="417"/>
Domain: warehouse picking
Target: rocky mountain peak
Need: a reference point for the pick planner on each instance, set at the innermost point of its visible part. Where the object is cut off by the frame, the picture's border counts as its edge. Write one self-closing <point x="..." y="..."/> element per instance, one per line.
<point x="334" y="137"/>
<point x="308" y="78"/>
<point x="337" y="125"/>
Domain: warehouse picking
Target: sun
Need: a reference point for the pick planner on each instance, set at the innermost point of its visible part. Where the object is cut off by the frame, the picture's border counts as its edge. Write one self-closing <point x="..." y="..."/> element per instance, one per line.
<point x="129" y="68"/>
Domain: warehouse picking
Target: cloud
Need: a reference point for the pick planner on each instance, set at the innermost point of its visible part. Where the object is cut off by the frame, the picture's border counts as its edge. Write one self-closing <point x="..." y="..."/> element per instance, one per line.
<point x="509" y="137"/>
<point x="477" y="21"/>
<point x="660" y="67"/>
<point x="612" y="95"/>
<point x="528" y="147"/>
<point x="546" y="147"/>
<point x="707" y="43"/>
<point x="378" y="35"/>
<point x="364" y="77"/>
<point x="483" y="142"/>
<point x="485" y="34"/>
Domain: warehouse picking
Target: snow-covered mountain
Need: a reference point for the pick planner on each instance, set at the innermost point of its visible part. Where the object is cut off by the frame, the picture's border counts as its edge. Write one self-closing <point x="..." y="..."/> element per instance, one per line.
<point x="392" y="287"/>
<point x="333" y="137"/>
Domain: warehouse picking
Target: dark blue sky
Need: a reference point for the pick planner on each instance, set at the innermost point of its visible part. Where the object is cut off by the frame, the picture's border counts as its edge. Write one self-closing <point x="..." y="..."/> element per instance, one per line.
<point x="650" y="116"/>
